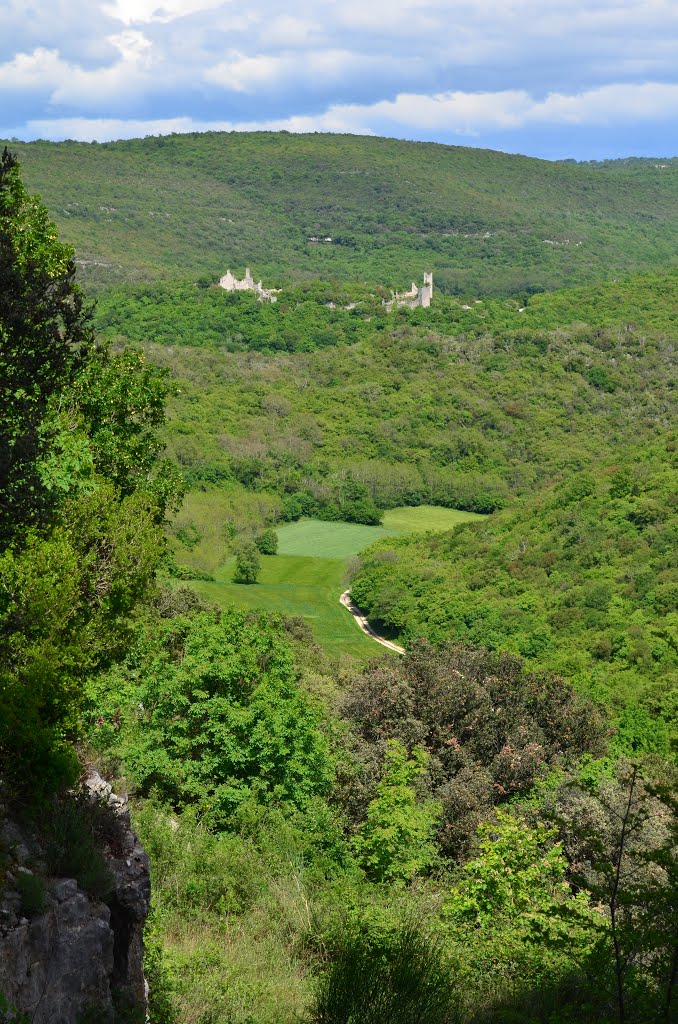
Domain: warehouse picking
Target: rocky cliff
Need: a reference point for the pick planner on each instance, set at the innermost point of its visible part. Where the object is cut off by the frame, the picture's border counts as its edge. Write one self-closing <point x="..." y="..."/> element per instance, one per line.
<point x="70" y="950"/>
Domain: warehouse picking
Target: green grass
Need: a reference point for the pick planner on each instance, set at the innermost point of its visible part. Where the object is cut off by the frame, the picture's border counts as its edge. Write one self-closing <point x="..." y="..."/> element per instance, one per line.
<point x="298" y="585"/>
<point x="321" y="540"/>
<point x="425" y="517"/>
<point x="307" y="577"/>
<point x="342" y="540"/>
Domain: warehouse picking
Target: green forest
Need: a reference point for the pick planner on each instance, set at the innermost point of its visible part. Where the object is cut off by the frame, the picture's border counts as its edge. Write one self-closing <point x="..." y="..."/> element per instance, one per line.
<point x="483" y="830"/>
<point x="485" y="222"/>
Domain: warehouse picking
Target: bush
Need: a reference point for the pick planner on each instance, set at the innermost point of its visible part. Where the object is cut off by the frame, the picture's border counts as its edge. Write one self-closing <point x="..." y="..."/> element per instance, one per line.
<point x="218" y="717"/>
<point x="267" y="542"/>
<point x="395" y="841"/>
<point x="247" y="563"/>
<point x="74" y="829"/>
<point x="402" y="981"/>
<point x="31" y="889"/>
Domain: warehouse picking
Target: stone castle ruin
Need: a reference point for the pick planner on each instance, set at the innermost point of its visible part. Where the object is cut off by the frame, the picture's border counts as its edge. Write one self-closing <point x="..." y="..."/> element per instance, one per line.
<point x="231" y="284"/>
<point x="415" y="297"/>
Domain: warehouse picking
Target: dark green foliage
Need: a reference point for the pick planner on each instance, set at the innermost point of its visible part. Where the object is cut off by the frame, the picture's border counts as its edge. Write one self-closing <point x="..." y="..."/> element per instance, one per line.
<point x="267" y="542"/>
<point x="74" y="830"/>
<point x="9" y="1014"/>
<point x="620" y="836"/>
<point x="44" y="338"/>
<point x="31" y="889"/>
<point x="580" y="580"/>
<point x="82" y="494"/>
<point x="247" y="562"/>
<point x="491" y="728"/>
<point x="64" y="602"/>
<point x="402" y="980"/>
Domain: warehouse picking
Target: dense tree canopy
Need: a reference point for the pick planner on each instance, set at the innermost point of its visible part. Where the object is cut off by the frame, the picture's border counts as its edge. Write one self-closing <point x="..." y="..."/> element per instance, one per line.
<point x="82" y="494"/>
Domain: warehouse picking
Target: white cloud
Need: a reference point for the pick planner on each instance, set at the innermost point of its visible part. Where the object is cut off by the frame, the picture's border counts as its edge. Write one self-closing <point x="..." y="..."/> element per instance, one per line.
<point x="408" y="115"/>
<point x="137" y="12"/>
<point x="250" y="74"/>
<point x="411" y="67"/>
<point x="40" y="69"/>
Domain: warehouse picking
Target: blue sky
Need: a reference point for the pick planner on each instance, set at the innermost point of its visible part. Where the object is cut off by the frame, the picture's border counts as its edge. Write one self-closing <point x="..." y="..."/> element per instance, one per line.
<point x="553" y="78"/>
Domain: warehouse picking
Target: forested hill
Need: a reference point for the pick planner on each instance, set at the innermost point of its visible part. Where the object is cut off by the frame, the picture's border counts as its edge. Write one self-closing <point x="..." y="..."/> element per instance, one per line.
<point x="484" y="222"/>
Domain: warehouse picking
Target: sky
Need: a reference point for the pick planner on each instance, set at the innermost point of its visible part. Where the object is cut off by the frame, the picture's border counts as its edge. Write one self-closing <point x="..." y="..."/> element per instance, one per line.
<point x="584" y="79"/>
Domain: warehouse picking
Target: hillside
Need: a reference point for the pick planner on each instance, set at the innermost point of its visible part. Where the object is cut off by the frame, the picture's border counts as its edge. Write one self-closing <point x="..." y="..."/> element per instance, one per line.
<point x="454" y="835"/>
<point x="484" y="222"/>
<point x="420" y="414"/>
<point x="582" y="580"/>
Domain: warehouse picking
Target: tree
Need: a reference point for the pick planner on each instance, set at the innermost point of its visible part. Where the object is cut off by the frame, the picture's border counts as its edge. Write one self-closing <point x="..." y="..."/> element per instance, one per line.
<point x="395" y="841"/>
<point x="247" y="563"/>
<point x="267" y="542"/>
<point x="45" y="338"/>
<point x="215" y="716"/>
<point x="490" y="727"/>
<point x="82" y="492"/>
<point x="622" y="837"/>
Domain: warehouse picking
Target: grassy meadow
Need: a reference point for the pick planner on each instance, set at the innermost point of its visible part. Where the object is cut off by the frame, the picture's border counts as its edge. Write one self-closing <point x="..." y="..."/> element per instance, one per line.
<point x="308" y="574"/>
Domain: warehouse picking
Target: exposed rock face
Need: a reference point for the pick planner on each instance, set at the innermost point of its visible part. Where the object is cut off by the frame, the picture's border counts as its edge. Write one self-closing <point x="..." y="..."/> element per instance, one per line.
<point x="64" y="963"/>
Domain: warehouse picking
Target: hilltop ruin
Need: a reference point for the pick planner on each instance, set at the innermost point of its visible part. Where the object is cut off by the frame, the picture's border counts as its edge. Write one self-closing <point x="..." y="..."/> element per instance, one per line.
<point x="415" y="297"/>
<point x="230" y="283"/>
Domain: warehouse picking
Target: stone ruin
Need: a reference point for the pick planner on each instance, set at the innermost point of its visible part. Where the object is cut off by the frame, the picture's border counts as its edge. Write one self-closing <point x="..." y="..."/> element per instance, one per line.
<point x="230" y="283"/>
<point x="415" y="297"/>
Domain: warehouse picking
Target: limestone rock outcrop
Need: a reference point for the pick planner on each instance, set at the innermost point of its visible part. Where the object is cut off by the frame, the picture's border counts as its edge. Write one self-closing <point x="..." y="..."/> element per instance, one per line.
<point x="70" y="954"/>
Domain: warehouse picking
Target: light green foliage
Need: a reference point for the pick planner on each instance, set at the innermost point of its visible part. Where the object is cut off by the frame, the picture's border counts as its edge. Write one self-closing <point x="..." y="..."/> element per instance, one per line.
<point x="296" y="585"/>
<point x="64" y="603"/>
<point x="239" y="916"/>
<point x="517" y="873"/>
<point x="313" y="538"/>
<point x="309" y="573"/>
<point x="421" y="412"/>
<point x="216" y="717"/>
<point x="341" y="540"/>
<point x="247" y="562"/>
<point x="395" y="841"/>
<point x="185" y="315"/>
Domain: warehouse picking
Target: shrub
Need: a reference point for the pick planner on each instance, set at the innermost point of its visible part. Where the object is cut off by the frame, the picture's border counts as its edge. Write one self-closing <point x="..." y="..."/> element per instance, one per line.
<point x="395" y="841"/>
<point x="267" y="542"/>
<point x="403" y="981"/>
<point x="247" y="563"/>
<point x="31" y="889"/>
<point x="74" y="829"/>
<point x="491" y="728"/>
<point x="219" y="717"/>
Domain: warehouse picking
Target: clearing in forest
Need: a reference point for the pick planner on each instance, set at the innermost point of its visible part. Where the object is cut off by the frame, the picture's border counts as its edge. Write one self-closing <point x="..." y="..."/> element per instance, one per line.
<point x="307" y="575"/>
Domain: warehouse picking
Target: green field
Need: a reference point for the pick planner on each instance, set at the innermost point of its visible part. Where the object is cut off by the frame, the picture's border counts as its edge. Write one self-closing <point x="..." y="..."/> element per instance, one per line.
<point x="308" y="575"/>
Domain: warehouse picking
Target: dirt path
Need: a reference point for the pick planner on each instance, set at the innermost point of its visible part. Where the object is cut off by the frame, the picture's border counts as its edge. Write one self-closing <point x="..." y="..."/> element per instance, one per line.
<point x="345" y="599"/>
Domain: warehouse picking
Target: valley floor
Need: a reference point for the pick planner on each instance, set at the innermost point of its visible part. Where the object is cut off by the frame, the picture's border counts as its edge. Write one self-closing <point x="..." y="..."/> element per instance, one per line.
<point x="308" y="574"/>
